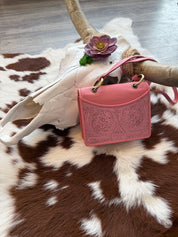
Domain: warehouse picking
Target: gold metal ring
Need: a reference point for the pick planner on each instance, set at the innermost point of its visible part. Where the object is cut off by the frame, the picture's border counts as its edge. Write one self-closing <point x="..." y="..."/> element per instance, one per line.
<point x="94" y="89"/>
<point x="135" y="85"/>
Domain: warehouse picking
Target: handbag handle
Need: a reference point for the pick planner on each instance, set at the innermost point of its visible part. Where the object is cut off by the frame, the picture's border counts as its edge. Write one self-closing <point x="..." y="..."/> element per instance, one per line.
<point x="134" y="59"/>
<point x="131" y="59"/>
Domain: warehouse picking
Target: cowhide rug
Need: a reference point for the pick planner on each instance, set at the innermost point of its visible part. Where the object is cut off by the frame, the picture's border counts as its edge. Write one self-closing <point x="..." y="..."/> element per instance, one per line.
<point x="52" y="185"/>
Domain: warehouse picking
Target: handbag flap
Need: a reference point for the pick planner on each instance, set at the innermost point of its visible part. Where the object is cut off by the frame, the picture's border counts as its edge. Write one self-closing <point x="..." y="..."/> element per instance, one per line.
<point x="113" y="95"/>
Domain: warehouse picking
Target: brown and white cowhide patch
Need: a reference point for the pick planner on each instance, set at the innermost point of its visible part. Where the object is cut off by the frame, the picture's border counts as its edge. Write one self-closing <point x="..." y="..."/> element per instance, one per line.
<point x="51" y="184"/>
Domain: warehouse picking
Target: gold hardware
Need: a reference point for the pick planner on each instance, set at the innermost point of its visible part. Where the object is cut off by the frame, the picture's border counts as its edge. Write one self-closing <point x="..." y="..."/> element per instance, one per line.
<point x="94" y="89"/>
<point x="135" y="85"/>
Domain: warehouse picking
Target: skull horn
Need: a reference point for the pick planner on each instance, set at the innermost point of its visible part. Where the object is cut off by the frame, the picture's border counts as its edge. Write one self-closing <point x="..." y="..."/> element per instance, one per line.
<point x="160" y="73"/>
<point x="82" y="25"/>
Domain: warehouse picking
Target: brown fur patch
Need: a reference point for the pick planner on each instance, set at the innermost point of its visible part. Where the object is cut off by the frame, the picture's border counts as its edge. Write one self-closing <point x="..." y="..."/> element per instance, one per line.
<point x="24" y="92"/>
<point x="33" y="77"/>
<point x="58" y="132"/>
<point x="69" y="200"/>
<point x="159" y="130"/>
<point x="155" y="138"/>
<point x="158" y="108"/>
<point x="12" y="134"/>
<point x="8" y="107"/>
<point x="14" y="77"/>
<point x="22" y="122"/>
<point x="14" y="162"/>
<point x="76" y="200"/>
<point x="2" y="69"/>
<point x="29" y="64"/>
<point x="28" y="153"/>
<point x="165" y="177"/>
<point x="172" y="232"/>
<point x="8" y="149"/>
<point x="10" y="55"/>
<point x="78" y="40"/>
<point x="67" y="143"/>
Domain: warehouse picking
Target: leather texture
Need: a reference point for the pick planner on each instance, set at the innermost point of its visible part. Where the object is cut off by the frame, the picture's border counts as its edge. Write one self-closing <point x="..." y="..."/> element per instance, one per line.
<point x="116" y="113"/>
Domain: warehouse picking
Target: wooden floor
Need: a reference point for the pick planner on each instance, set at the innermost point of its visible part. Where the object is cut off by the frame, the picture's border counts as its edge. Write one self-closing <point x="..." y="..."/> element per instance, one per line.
<point x="31" y="26"/>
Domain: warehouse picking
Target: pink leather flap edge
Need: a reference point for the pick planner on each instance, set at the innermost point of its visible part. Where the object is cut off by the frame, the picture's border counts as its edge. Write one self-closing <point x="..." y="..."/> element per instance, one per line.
<point x="113" y="95"/>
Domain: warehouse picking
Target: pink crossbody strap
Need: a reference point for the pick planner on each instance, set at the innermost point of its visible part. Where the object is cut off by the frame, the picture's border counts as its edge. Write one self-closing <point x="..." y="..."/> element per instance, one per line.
<point x="139" y="58"/>
<point x="167" y="97"/>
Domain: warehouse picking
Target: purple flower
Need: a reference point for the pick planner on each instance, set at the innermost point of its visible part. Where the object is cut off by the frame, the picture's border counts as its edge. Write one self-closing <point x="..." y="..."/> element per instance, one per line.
<point x="100" y="47"/>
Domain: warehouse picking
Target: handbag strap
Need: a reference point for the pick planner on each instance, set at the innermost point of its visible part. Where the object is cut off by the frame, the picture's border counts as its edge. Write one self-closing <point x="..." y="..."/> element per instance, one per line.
<point x="140" y="58"/>
<point x="175" y="100"/>
<point x="131" y="59"/>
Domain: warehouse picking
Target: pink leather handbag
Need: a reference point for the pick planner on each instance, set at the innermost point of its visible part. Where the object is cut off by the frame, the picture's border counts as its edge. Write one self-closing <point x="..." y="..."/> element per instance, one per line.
<point x="115" y="113"/>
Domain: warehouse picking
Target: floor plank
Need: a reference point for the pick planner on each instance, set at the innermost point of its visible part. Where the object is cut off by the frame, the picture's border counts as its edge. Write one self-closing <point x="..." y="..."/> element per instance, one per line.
<point x="32" y="26"/>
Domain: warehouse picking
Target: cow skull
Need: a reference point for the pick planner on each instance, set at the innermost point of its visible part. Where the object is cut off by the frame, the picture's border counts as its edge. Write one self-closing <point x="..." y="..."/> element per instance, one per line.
<point x="57" y="102"/>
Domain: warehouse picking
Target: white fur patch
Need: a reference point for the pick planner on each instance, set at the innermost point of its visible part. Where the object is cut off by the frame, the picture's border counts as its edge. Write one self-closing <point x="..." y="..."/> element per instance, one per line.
<point x="8" y="178"/>
<point x="98" y="194"/>
<point x="155" y="119"/>
<point x="135" y="192"/>
<point x="35" y="137"/>
<point x="154" y="98"/>
<point x="159" y="152"/>
<point x="57" y="156"/>
<point x="78" y="154"/>
<point x="92" y="226"/>
<point x="51" y="185"/>
<point x="64" y="187"/>
<point x="51" y="201"/>
<point x="96" y="191"/>
<point x="28" y="181"/>
<point x="158" y="208"/>
<point x="7" y="212"/>
<point x="170" y="119"/>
